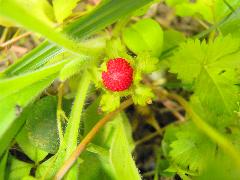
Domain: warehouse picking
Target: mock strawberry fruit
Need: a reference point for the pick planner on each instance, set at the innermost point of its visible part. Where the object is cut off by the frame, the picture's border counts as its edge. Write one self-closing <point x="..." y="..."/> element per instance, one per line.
<point x="119" y="75"/>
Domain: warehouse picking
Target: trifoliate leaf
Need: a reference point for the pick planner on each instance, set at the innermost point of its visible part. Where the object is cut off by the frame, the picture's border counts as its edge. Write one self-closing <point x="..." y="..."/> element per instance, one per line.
<point x="211" y="68"/>
<point x="142" y="95"/>
<point x="145" y="35"/>
<point x="195" y="55"/>
<point x="191" y="149"/>
<point x="110" y="102"/>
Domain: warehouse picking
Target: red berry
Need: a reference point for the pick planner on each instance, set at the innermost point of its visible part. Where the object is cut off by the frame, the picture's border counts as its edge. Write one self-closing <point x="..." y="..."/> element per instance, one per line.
<point x="119" y="75"/>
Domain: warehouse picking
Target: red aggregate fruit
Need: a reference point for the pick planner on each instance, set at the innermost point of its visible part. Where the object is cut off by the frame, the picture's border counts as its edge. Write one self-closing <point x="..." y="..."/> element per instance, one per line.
<point x="119" y="75"/>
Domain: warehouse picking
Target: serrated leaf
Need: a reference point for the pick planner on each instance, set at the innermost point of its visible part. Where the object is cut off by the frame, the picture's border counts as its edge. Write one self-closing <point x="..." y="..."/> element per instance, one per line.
<point x="222" y="167"/>
<point x="142" y="95"/>
<point x="145" y="35"/>
<point x="213" y="72"/>
<point x="63" y="9"/>
<point x="146" y="63"/>
<point x="195" y="55"/>
<point x="191" y="149"/>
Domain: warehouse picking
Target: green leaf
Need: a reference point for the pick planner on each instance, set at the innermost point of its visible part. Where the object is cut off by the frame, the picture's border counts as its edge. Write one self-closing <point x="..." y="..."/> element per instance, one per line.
<point x="212" y="10"/>
<point x="220" y="168"/>
<point x="145" y="35"/>
<point x="15" y="96"/>
<point x="42" y="125"/>
<point x="71" y="136"/>
<point x="63" y="9"/>
<point x="120" y="154"/>
<point x="90" y="118"/>
<point x="213" y="72"/>
<point x="10" y="85"/>
<point x="31" y="151"/>
<point x="100" y="168"/>
<point x="191" y="149"/>
<point x="146" y="63"/>
<point x="18" y="169"/>
<point x="105" y="14"/>
<point x="232" y="25"/>
<point x="41" y="10"/>
<point x="35" y="59"/>
<point x="169" y="137"/>
<point x="172" y="39"/>
<point x="13" y="130"/>
<point x="3" y="165"/>
<point x="5" y="22"/>
<point x="142" y="95"/>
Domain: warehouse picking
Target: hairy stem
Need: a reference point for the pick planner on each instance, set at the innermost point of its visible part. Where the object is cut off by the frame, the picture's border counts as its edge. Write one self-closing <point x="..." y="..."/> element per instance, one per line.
<point x="81" y="147"/>
<point x="72" y="131"/>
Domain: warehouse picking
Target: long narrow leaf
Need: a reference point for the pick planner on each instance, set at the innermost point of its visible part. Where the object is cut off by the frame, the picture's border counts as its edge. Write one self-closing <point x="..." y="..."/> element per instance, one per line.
<point x="107" y="13"/>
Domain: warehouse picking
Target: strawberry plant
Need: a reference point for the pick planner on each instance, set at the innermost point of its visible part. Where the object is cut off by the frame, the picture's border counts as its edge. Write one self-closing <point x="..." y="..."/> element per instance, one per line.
<point x="119" y="89"/>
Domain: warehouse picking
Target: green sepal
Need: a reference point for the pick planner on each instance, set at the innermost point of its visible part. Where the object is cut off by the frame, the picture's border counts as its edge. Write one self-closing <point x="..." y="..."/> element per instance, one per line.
<point x="142" y="95"/>
<point x="115" y="49"/>
<point x="110" y="102"/>
<point x="146" y="63"/>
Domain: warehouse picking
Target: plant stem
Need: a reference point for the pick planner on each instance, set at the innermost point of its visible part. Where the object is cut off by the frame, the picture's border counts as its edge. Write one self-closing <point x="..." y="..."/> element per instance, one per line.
<point x="208" y="130"/>
<point x="147" y="138"/>
<point x="72" y="131"/>
<point x="2" y="45"/>
<point x="70" y="161"/>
